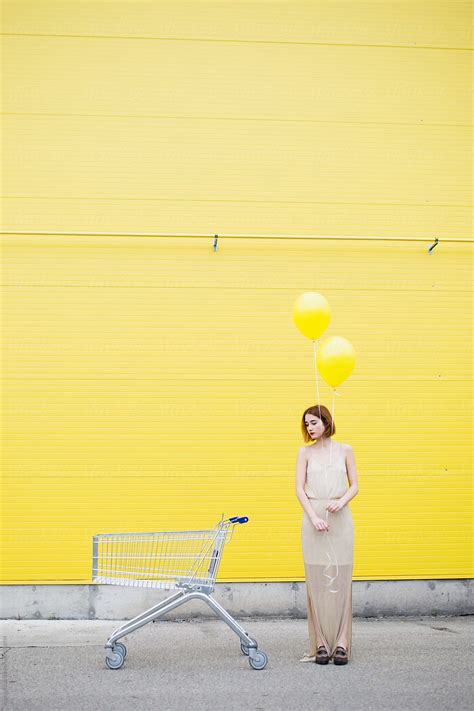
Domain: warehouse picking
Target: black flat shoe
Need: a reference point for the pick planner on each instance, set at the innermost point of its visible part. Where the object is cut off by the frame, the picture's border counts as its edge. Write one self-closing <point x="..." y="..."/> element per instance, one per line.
<point x="340" y="657"/>
<point x="322" y="656"/>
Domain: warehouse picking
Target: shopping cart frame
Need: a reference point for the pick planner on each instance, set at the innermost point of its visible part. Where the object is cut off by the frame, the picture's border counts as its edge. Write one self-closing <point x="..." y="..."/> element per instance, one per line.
<point x="111" y="566"/>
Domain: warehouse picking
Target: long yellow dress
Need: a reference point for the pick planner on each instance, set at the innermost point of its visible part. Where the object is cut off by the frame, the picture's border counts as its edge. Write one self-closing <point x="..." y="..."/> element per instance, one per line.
<point x="328" y="555"/>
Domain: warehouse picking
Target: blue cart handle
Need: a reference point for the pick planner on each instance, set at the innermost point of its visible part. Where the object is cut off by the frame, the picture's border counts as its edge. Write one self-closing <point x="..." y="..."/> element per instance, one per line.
<point x="239" y="519"/>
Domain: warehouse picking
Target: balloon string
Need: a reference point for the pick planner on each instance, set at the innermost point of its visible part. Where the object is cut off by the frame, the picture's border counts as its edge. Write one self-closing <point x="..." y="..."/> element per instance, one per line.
<point x="331" y="578"/>
<point x="332" y="415"/>
<point x="316" y="372"/>
<point x="330" y="564"/>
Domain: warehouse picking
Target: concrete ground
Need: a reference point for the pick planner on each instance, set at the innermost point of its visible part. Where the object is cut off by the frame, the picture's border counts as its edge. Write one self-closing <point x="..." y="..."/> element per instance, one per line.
<point x="398" y="663"/>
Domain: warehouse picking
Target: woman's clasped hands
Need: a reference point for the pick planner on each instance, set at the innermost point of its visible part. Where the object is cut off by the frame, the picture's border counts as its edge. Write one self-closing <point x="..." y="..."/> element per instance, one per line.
<point x="335" y="505"/>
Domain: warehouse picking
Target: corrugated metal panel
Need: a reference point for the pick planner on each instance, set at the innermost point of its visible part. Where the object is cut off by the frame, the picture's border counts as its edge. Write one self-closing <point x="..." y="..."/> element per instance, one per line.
<point x="153" y="383"/>
<point x="123" y="133"/>
<point x="419" y="23"/>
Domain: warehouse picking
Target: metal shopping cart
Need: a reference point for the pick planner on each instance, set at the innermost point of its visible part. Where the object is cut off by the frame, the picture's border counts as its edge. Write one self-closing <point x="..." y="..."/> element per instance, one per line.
<point x="183" y="560"/>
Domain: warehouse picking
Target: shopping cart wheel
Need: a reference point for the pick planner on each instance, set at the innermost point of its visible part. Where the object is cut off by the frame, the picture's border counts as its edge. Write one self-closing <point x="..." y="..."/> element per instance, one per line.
<point x="116" y="661"/>
<point x="244" y="647"/>
<point x="259" y="662"/>
<point x="119" y="647"/>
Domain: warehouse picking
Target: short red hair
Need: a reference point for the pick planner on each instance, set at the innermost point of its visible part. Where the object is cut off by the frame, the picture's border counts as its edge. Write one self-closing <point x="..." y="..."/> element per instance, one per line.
<point x="323" y="413"/>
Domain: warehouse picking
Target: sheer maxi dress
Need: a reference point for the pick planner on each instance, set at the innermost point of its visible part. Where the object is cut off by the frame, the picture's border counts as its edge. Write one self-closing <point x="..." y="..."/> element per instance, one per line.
<point x="328" y="556"/>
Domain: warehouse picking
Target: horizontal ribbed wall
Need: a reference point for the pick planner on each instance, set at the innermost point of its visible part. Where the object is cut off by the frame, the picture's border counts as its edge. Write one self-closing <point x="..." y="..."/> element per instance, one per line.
<point x="154" y="384"/>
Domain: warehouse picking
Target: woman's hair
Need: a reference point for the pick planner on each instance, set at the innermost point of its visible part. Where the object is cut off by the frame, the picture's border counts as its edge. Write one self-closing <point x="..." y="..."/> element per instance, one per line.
<point x="323" y="413"/>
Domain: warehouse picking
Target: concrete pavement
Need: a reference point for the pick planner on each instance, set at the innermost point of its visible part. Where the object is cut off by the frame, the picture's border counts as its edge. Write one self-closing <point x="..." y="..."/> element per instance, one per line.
<point x="398" y="663"/>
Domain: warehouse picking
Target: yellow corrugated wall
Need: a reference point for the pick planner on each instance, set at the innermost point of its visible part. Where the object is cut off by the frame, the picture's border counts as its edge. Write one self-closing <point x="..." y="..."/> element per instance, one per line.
<point x="152" y="383"/>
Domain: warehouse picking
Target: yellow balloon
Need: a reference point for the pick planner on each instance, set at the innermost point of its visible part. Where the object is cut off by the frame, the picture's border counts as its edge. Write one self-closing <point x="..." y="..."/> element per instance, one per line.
<point x="335" y="360"/>
<point x="311" y="314"/>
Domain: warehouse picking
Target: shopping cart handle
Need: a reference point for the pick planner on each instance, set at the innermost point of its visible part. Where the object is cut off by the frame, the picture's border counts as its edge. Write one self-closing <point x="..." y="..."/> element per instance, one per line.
<point x="239" y="519"/>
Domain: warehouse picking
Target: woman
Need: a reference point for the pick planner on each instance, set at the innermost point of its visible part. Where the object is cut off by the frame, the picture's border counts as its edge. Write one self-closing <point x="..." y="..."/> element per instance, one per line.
<point x="327" y="533"/>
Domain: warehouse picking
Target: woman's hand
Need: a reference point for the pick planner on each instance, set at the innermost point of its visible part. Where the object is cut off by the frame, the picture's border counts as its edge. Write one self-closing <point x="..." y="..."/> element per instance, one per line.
<point x="335" y="505"/>
<point x="320" y="524"/>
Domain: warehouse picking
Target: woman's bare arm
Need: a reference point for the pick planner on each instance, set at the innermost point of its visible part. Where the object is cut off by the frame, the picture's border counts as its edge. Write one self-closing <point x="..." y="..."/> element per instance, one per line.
<point x="351" y="474"/>
<point x="353" y="489"/>
<point x="320" y="523"/>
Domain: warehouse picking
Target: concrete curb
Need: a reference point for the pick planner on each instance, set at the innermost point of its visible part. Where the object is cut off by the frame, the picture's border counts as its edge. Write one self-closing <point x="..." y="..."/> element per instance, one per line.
<point x="376" y="598"/>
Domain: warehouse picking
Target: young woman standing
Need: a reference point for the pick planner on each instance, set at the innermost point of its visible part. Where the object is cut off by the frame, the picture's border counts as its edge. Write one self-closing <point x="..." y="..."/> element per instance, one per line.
<point x="327" y="533"/>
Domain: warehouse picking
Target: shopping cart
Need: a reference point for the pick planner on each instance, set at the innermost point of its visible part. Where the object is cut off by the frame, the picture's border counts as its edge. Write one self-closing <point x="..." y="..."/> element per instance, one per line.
<point x="183" y="560"/>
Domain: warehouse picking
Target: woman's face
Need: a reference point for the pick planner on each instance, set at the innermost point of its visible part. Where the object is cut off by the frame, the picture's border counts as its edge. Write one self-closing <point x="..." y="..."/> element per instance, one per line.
<point x="314" y="425"/>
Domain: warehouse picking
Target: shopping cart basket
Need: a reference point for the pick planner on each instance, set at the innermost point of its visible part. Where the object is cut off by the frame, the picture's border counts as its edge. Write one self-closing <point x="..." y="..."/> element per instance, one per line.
<point x="184" y="560"/>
